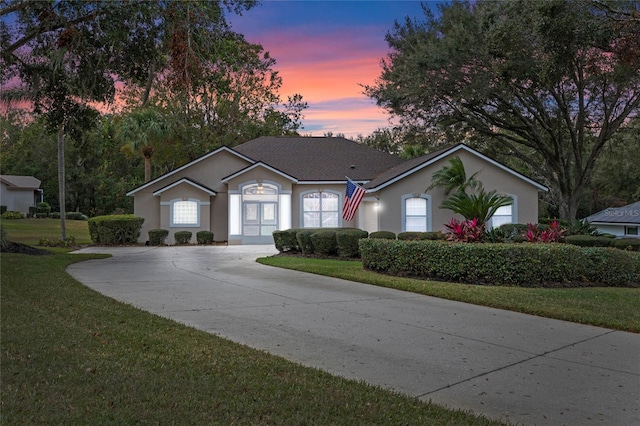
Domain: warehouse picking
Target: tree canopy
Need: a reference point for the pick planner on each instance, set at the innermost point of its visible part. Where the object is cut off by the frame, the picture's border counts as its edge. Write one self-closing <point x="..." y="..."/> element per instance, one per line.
<point x="548" y="82"/>
<point x="177" y="61"/>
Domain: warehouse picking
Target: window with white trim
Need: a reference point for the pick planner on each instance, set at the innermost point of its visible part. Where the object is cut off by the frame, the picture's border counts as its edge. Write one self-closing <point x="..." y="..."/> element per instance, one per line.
<point x="630" y="230"/>
<point x="185" y="213"/>
<point x="502" y="216"/>
<point x="320" y="210"/>
<point x="415" y="214"/>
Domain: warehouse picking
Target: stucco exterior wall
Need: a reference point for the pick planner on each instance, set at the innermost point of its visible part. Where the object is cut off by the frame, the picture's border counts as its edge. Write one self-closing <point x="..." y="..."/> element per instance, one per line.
<point x="492" y="177"/>
<point x="208" y="172"/>
<point x="17" y="199"/>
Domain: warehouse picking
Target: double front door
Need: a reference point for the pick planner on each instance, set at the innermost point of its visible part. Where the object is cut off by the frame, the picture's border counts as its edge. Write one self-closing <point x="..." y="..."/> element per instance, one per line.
<point x="259" y="219"/>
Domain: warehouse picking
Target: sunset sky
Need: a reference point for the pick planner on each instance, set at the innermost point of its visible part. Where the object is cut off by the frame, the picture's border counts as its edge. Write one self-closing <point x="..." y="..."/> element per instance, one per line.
<point x="325" y="50"/>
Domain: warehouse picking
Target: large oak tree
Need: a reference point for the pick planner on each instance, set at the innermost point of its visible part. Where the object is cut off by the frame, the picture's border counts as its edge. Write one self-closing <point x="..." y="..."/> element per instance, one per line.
<point x="69" y="56"/>
<point x="549" y="82"/>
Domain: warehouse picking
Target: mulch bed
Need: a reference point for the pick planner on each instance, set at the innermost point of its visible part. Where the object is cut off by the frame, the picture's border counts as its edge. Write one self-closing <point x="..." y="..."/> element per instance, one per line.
<point x="11" y="247"/>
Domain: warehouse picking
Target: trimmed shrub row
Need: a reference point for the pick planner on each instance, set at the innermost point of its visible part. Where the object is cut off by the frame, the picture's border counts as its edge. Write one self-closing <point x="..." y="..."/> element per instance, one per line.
<point x="157" y="237"/>
<point x="10" y="214"/>
<point x="69" y="216"/>
<point x="342" y="242"/>
<point x="632" y="244"/>
<point x="524" y="265"/>
<point x="115" y="229"/>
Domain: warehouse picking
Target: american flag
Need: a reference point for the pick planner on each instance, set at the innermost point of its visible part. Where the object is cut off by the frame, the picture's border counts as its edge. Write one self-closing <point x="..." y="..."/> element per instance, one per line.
<point x="352" y="200"/>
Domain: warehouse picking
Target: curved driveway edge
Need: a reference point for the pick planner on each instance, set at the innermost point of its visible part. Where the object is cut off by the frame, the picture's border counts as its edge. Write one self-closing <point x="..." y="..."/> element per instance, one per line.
<point x="507" y="366"/>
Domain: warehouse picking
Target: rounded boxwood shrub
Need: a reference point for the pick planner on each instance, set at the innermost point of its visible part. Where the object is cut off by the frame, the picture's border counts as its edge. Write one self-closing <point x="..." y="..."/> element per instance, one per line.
<point x="385" y="235"/>
<point x="157" y="237"/>
<point x="420" y="236"/>
<point x="182" y="237"/>
<point x="631" y="244"/>
<point x="304" y="240"/>
<point x="588" y="241"/>
<point x="115" y="229"/>
<point x="204" y="237"/>
<point x="286" y="240"/>
<point x="9" y="214"/>
<point x="324" y="242"/>
<point x="43" y="209"/>
<point x="347" y="242"/>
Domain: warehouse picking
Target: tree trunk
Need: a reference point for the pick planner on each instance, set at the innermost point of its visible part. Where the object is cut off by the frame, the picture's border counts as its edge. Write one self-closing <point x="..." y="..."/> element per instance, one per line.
<point x="61" y="184"/>
<point x="147" y="169"/>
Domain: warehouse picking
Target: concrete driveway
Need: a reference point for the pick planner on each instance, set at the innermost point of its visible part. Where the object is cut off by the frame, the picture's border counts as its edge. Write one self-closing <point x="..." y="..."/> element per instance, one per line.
<point x="505" y="365"/>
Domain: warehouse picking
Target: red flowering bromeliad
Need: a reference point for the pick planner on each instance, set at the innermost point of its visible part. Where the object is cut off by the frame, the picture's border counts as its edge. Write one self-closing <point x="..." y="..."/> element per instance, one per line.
<point x="467" y="231"/>
<point x="553" y="234"/>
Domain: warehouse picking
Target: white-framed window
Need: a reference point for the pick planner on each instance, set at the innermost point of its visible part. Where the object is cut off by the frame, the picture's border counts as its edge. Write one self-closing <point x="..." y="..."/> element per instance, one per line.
<point x="320" y="209"/>
<point x="185" y="213"/>
<point x="504" y="214"/>
<point x="630" y="230"/>
<point x="416" y="210"/>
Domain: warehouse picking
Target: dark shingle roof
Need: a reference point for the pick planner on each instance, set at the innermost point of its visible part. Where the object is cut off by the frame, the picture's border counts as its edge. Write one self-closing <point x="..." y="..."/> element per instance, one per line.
<point x="627" y="214"/>
<point x="319" y="158"/>
<point x="20" y="182"/>
<point x="403" y="167"/>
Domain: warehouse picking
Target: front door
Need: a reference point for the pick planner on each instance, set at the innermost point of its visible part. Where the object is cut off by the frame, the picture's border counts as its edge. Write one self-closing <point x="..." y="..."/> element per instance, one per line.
<point x="259" y="220"/>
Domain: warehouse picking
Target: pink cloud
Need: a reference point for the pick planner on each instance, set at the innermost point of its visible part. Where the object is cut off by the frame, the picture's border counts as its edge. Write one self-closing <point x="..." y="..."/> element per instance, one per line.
<point x="326" y="70"/>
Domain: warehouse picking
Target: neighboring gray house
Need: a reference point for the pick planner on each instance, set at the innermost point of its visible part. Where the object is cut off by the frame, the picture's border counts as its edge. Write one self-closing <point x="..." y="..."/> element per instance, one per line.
<point x="18" y="193"/>
<point x="243" y="194"/>
<point x="619" y="221"/>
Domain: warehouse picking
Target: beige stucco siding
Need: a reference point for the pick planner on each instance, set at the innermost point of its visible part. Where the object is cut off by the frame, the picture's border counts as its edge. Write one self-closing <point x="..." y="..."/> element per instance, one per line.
<point x="209" y="173"/>
<point x="17" y="199"/>
<point x="299" y="190"/>
<point x="492" y="177"/>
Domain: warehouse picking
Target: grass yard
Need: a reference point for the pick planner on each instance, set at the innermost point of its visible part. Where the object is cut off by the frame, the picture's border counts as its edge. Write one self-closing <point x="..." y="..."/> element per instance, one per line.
<point x="610" y="307"/>
<point x="30" y="231"/>
<point x="72" y="356"/>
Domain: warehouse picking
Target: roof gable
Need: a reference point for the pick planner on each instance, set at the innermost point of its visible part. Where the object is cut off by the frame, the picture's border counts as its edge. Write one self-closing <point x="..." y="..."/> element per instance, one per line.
<point x="415" y="164"/>
<point x="255" y="165"/>
<point x="179" y="169"/>
<point x="189" y="182"/>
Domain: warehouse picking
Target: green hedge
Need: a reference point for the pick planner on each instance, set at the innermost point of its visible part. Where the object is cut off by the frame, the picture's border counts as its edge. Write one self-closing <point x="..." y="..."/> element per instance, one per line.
<point x="347" y="242"/>
<point x="157" y="237"/>
<point x="286" y="240"/>
<point x="525" y="265"/>
<point x="324" y="243"/>
<point x="68" y="216"/>
<point x="9" y="214"/>
<point x="115" y="229"/>
<point x="588" y="241"/>
<point x="632" y="244"/>
<point x="386" y="235"/>
<point x="182" y="237"/>
<point x="204" y="237"/>
<point x="420" y="236"/>
<point x="304" y="240"/>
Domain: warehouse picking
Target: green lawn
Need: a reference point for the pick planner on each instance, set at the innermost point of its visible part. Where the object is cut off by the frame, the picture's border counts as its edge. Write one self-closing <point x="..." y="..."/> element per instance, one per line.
<point x="616" y="308"/>
<point x="30" y="231"/>
<point x="72" y="356"/>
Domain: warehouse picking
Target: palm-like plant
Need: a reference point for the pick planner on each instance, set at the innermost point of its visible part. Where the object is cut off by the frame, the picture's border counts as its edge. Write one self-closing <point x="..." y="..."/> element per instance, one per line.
<point x="470" y="199"/>
<point x="481" y="205"/>
<point x="140" y="129"/>
<point x="454" y="177"/>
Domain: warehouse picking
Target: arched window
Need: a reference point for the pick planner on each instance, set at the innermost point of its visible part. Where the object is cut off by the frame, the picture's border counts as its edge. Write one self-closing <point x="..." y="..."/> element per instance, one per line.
<point x="416" y="213"/>
<point x="320" y="210"/>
